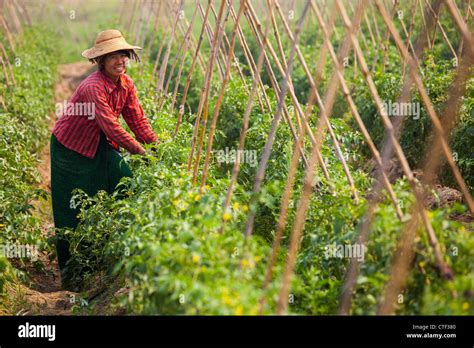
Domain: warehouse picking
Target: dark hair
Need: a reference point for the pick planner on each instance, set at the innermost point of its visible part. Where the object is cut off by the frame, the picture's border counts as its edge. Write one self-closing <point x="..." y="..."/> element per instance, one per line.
<point x="100" y="60"/>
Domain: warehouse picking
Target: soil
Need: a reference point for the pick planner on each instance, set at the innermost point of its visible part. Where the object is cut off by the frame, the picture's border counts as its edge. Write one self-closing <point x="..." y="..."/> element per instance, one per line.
<point x="43" y="293"/>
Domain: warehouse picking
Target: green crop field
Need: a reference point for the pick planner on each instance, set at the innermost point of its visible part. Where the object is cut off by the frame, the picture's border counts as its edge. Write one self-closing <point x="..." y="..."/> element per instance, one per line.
<point x="314" y="158"/>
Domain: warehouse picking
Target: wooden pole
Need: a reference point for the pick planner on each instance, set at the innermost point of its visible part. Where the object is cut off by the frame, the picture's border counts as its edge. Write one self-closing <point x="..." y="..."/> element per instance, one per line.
<point x="220" y="25"/>
<point x="246" y="118"/>
<point x="303" y="203"/>
<point x="190" y="73"/>
<point x="230" y="58"/>
<point x="276" y="120"/>
<point x="164" y="63"/>
<point x="207" y="83"/>
<point x="8" y="63"/>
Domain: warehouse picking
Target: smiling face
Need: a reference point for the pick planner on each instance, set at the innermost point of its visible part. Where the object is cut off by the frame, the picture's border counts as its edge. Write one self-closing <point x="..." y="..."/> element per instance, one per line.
<point x="115" y="63"/>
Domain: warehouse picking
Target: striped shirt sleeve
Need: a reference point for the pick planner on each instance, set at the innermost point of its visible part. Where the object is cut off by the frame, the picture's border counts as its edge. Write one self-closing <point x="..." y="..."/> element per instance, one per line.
<point x="133" y="114"/>
<point x="108" y="121"/>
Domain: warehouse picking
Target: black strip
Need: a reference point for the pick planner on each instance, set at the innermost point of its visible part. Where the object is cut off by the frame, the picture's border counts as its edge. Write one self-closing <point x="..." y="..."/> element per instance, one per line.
<point x="288" y="330"/>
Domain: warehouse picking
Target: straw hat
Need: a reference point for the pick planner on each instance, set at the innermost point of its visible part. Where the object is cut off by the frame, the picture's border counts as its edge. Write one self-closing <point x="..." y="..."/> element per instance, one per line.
<point x="108" y="41"/>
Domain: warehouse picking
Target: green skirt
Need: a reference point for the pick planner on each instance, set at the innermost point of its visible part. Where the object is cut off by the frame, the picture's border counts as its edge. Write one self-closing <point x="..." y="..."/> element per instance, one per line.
<point x="70" y="170"/>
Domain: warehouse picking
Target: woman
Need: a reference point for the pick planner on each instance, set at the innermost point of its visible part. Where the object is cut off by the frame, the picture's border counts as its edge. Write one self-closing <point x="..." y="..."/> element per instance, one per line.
<point x="88" y="133"/>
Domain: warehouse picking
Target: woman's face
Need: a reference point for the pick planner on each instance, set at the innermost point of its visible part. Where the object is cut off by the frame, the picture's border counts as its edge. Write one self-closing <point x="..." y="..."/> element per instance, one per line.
<point x="115" y="64"/>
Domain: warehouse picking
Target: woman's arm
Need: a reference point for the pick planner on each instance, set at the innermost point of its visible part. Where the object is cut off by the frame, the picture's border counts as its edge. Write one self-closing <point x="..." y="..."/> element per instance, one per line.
<point x="133" y="114"/>
<point x="108" y="122"/>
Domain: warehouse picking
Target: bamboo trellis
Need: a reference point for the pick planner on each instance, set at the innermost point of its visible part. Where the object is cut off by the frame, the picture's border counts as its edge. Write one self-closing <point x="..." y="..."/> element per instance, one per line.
<point x="410" y="54"/>
<point x="366" y="25"/>
<point x="379" y="27"/>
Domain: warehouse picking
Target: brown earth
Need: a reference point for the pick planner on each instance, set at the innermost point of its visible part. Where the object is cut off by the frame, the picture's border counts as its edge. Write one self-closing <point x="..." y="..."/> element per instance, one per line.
<point x="43" y="293"/>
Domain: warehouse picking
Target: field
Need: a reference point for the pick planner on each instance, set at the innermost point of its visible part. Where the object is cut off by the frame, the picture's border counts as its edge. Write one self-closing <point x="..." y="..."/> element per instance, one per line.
<point x="315" y="158"/>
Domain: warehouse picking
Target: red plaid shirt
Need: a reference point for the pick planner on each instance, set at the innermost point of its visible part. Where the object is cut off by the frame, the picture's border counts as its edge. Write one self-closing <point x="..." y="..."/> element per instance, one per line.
<point x="95" y="106"/>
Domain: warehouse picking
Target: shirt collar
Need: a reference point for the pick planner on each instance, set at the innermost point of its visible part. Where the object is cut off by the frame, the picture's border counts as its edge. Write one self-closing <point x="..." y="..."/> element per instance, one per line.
<point x="111" y="85"/>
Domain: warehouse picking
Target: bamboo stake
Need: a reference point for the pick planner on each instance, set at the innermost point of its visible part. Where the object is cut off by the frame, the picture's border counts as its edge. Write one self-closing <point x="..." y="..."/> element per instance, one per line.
<point x="193" y="65"/>
<point x="424" y="24"/>
<point x="433" y="39"/>
<point x="178" y="79"/>
<point x="356" y="115"/>
<point x="207" y="82"/>
<point x="401" y="265"/>
<point x="309" y="172"/>
<point x="187" y="42"/>
<point x="276" y="33"/>
<point x="141" y="21"/>
<point x="13" y="15"/>
<point x="438" y="23"/>
<point x="273" y="80"/>
<point x="164" y="64"/>
<point x="220" y="98"/>
<point x="387" y="36"/>
<point x="299" y="111"/>
<point x="369" y="27"/>
<point x="129" y="26"/>
<point x="239" y="69"/>
<point x="418" y="191"/>
<point x="8" y="63"/>
<point x="352" y="273"/>
<point x="321" y="105"/>
<point x="271" y="136"/>
<point x="25" y="11"/>
<point x="7" y="79"/>
<point x="3" y="104"/>
<point x="158" y="54"/>
<point x="19" y="10"/>
<point x="246" y="117"/>
<point x="182" y="47"/>
<point x="218" y="37"/>
<point x="463" y="28"/>
<point x="222" y="48"/>
<point x="438" y="128"/>
<point x="8" y="34"/>
<point x="152" y="39"/>
<point x="256" y="28"/>
<point x="251" y="64"/>
<point x="274" y="83"/>
<point x="287" y="194"/>
<point x="410" y="30"/>
<point x="466" y="19"/>
<point x="374" y="18"/>
<point x="405" y="253"/>
<point x="361" y="32"/>
<point x="210" y="35"/>
<point x="194" y="44"/>
<point x="377" y="32"/>
<point x="410" y="45"/>
<point x="151" y="13"/>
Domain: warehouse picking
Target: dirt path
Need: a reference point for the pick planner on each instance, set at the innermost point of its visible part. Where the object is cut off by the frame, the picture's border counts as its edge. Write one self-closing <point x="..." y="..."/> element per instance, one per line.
<point x="44" y="294"/>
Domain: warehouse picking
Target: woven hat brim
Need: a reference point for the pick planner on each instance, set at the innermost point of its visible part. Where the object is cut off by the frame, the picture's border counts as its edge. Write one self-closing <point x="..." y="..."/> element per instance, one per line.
<point x="95" y="52"/>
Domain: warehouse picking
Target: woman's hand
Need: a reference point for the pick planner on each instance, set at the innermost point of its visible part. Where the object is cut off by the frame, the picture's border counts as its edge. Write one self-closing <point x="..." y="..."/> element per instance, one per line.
<point x="151" y="151"/>
<point x="154" y="148"/>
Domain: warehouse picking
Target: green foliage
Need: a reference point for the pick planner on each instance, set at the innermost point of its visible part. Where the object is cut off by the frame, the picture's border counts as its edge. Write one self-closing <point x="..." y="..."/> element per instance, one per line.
<point x="417" y="133"/>
<point x="23" y="132"/>
<point x="29" y="104"/>
<point x="163" y="237"/>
